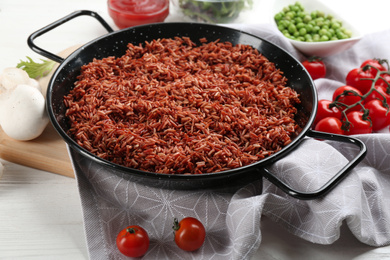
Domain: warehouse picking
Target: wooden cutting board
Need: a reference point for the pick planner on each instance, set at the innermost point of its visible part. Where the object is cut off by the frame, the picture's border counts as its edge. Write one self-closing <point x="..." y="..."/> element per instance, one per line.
<point x="48" y="152"/>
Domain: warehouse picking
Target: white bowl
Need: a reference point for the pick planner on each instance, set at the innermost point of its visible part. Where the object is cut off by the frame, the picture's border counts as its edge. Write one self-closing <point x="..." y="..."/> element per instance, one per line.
<point x="321" y="49"/>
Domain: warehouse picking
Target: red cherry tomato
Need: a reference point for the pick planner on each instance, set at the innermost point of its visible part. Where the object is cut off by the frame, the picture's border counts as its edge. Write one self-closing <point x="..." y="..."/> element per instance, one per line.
<point x="127" y="13"/>
<point x="359" y="79"/>
<point x="375" y="95"/>
<point x="330" y="125"/>
<point x="357" y="124"/>
<point x="383" y="82"/>
<point x="189" y="233"/>
<point x="374" y="63"/>
<point x="316" y="67"/>
<point x="133" y="241"/>
<point x="349" y="98"/>
<point x="324" y="111"/>
<point x="379" y="115"/>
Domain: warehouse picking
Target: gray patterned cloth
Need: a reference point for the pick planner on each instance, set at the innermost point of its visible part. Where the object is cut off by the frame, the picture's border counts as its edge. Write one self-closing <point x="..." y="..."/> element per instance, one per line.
<point x="111" y="201"/>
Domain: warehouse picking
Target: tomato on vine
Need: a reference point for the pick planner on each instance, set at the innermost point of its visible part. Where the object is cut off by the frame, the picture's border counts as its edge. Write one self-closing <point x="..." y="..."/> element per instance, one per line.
<point x="315" y="66"/>
<point x="358" y="123"/>
<point x="331" y="125"/>
<point x="189" y="233"/>
<point x="364" y="102"/>
<point x="325" y="110"/>
<point x="379" y="114"/>
<point x="346" y="96"/>
<point x="379" y="93"/>
<point x="375" y="65"/>
<point x="362" y="77"/>
<point x="359" y="79"/>
<point x="384" y="81"/>
<point x="133" y="241"/>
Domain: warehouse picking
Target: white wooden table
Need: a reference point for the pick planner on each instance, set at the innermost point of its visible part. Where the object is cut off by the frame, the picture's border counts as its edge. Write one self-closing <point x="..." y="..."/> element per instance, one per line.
<point x="40" y="212"/>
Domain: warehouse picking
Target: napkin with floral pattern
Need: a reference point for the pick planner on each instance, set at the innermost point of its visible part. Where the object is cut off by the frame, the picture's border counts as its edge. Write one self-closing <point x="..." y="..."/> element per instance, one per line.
<point x="112" y="200"/>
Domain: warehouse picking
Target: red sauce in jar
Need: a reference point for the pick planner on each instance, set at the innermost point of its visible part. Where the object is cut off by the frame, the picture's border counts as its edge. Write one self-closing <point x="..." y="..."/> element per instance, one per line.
<point x="127" y="13"/>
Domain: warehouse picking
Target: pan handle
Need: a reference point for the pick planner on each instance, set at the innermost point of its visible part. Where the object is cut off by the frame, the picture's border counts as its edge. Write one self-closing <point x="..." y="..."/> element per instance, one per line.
<point x="56" y="58"/>
<point x="330" y="184"/>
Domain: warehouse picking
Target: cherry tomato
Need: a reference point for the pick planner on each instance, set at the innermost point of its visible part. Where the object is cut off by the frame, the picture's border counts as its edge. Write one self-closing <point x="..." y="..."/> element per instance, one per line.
<point x="189" y="233"/>
<point x="357" y="124"/>
<point x="376" y="63"/>
<point x="349" y="98"/>
<point x="133" y="241"/>
<point x="330" y="125"/>
<point x="375" y="95"/>
<point x="127" y="13"/>
<point x="316" y="67"/>
<point x="383" y="82"/>
<point x="324" y="111"/>
<point x="359" y="79"/>
<point x="379" y="115"/>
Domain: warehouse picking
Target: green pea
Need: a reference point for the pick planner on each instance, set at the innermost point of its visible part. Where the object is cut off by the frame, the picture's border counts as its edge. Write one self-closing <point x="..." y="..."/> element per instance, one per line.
<point x="346" y="36"/>
<point x="301" y="14"/>
<point x="316" y="29"/>
<point x="319" y="21"/>
<point x="307" y="18"/>
<point x="324" y="38"/>
<point x="278" y="16"/>
<point x="322" y="32"/>
<point x="309" y="28"/>
<point x="292" y="28"/>
<point x="348" y="33"/>
<point x="320" y="14"/>
<point x="335" y="25"/>
<point x="302" y="31"/>
<point x="300" y="25"/>
<point x="300" y="6"/>
<point x="316" y="37"/>
<point x="339" y="34"/>
<point x="284" y="23"/>
<point x="308" y="37"/>
<point x="290" y="15"/>
<point x="298" y="20"/>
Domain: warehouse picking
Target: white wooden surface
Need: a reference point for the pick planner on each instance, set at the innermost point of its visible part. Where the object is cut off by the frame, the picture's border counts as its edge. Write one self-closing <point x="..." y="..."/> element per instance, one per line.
<point x="40" y="212"/>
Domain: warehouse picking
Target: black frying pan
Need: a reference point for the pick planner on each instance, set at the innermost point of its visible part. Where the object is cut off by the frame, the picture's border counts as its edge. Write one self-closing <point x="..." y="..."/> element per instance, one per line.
<point x="115" y="44"/>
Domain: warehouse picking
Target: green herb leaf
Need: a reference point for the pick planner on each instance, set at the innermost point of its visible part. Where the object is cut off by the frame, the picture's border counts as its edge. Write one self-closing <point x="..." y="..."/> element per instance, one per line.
<point x="36" y="70"/>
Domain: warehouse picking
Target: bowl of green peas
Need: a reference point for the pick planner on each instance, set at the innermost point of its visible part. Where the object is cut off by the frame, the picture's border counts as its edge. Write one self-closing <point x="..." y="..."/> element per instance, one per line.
<point x="313" y="28"/>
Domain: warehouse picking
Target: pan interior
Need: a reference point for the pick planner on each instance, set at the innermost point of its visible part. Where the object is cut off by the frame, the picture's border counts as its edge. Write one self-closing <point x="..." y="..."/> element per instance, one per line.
<point x="115" y="44"/>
